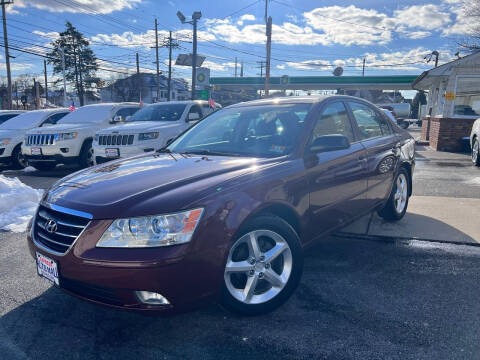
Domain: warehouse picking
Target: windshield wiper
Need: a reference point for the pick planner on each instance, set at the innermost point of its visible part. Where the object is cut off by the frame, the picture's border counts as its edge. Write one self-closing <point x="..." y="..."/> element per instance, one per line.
<point x="209" y="152"/>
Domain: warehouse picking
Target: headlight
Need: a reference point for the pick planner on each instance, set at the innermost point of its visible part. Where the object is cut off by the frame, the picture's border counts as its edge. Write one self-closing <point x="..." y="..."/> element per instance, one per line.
<point x="67" y="136"/>
<point x="5" y="141"/>
<point x="148" y="136"/>
<point x="152" y="231"/>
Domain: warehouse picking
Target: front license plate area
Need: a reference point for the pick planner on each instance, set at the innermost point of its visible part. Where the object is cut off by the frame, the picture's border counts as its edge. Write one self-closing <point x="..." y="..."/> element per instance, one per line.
<point x="112" y="153"/>
<point x="36" y="151"/>
<point x="47" y="268"/>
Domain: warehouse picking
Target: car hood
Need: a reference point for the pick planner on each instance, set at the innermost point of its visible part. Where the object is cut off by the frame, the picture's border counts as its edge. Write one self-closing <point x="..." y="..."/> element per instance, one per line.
<point x="147" y="184"/>
<point x="139" y="126"/>
<point x="10" y="133"/>
<point x="57" y="128"/>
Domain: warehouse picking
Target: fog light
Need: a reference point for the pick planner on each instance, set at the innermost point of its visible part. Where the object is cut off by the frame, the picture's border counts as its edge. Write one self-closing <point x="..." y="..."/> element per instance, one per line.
<point x="151" y="298"/>
<point x="64" y="150"/>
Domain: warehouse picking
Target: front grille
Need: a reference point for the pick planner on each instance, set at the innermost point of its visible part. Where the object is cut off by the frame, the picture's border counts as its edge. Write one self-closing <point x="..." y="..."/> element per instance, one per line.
<point x="92" y="292"/>
<point x="67" y="228"/>
<point x="115" y="140"/>
<point x="46" y="139"/>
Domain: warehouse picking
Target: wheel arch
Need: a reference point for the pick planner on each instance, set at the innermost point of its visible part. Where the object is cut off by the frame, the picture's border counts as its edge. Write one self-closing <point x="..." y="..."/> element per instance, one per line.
<point x="408" y="167"/>
<point x="281" y="210"/>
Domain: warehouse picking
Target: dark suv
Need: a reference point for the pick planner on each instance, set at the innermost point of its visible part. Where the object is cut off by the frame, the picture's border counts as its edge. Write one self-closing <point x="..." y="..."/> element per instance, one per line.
<point x="225" y="211"/>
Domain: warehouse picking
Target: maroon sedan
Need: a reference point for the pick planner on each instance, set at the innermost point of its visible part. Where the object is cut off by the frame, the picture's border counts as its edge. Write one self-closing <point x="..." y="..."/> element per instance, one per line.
<point x="225" y="211"/>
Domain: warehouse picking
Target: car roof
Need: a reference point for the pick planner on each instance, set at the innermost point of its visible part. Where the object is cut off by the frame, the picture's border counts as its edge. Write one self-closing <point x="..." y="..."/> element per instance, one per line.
<point x="111" y="104"/>
<point x="312" y="99"/>
<point x="3" y="112"/>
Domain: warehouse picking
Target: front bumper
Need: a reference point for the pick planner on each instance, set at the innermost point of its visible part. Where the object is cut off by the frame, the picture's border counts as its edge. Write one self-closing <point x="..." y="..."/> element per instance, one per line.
<point x="57" y="158"/>
<point x="187" y="278"/>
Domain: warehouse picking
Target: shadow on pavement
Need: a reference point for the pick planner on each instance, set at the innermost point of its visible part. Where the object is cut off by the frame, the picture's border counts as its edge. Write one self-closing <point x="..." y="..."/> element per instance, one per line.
<point x="357" y="299"/>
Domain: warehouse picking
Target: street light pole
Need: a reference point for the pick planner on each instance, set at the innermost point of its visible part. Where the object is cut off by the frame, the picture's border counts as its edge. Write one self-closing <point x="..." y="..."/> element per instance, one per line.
<point x="195" y="17"/>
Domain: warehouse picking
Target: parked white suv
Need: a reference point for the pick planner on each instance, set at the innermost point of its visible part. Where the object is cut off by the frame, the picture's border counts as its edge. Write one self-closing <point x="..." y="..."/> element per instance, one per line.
<point x="149" y="129"/>
<point x="12" y="133"/>
<point x="70" y="141"/>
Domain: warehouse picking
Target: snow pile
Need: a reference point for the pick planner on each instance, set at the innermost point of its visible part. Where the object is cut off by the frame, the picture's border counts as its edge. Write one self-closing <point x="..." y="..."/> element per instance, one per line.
<point x="18" y="203"/>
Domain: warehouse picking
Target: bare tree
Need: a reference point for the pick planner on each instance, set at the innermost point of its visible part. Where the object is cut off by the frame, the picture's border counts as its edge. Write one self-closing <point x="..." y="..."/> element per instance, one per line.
<point x="471" y="12"/>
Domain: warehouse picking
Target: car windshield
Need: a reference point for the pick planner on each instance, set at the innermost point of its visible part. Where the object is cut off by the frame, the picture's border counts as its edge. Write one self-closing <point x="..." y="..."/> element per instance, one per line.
<point x="90" y="114"/>
<point x="259" y="131"/>
<point x="23" y="121"/>
<point x="159" y="112"/>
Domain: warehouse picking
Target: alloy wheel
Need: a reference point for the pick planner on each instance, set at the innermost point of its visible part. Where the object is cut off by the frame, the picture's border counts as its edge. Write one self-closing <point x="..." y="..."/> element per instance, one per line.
<point x="258" y="267"/>
<point x="475" y="151"/>
<point x="401" y="193"/>
<point x="21" y="160"/>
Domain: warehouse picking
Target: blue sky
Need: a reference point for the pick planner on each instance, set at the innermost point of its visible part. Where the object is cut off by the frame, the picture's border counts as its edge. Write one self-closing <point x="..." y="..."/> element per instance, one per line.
<point x="309" y="37"/>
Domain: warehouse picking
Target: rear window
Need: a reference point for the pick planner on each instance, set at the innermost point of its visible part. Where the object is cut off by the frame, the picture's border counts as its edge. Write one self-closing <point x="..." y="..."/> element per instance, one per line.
<point x="88" y="114"/>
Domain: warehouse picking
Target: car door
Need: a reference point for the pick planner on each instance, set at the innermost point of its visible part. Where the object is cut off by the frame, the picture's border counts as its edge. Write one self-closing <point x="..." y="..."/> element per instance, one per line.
<point x="337" y="179"/>
<point x="383" y="149"/>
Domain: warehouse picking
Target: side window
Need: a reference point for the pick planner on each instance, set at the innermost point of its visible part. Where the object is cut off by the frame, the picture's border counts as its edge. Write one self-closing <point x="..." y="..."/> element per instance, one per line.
<point x="206" y="110"/>
<point x="52" y="119"/>
<point x="195" y="109"/>
<point x="333" y="121"/>
<point x="124" y="112"/>
<point x="370" y="122"/>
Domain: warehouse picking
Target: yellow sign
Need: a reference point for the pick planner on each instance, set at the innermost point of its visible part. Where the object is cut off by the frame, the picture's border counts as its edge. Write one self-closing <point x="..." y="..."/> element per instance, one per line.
<point x="449" y="96"/>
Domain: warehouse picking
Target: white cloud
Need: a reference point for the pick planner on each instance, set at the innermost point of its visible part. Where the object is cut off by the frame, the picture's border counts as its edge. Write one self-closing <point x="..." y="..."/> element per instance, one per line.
<point x="77" y="6"/>
<point x="350" y="25"/>
<point x="53" y="35"/>
<point x="429" y="17"/>
<point x="14" y="66"/>
<point x="213" y="66"/>
<point x="384" y="61"/>
<point x="463" y="25"/>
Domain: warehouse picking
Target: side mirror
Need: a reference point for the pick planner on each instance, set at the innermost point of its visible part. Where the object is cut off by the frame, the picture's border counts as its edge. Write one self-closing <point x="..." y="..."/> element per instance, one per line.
<point x="128" y="117"/>
<point x="117" y="118"/>
<point x="193" y="117"/>
<point x="330" y="143"/>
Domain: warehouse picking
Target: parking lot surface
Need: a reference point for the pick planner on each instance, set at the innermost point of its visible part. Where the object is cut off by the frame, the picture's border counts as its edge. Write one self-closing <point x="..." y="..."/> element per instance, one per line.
<point x="358" y="299"/>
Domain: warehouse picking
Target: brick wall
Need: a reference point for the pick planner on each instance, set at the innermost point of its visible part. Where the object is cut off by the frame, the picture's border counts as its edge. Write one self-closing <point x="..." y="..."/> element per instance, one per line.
<point x="425" y="129"/>
<point x="445" y="134"/>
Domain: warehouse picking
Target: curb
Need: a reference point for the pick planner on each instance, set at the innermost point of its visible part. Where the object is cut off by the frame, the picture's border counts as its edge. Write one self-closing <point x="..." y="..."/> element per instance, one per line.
<point x="393" y="239"/>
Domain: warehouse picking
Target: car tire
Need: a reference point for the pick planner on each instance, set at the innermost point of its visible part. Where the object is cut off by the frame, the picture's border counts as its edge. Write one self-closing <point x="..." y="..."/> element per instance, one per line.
<point x="271" y="270"/>
<point x="476" y="152"/>
<point x="18" y="160"/>
<point x="86" y="155"/>
<point x="397" y="203"/>
<point x="44" y="166"/>
<point x="404" y="125"/>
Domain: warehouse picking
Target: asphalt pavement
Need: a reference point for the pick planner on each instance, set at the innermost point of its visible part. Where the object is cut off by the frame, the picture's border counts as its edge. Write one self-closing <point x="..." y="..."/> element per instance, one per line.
<point x="357" y="300"/>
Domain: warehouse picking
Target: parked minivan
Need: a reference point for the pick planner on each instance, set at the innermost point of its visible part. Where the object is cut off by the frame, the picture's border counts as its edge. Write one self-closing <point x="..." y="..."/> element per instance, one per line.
<point x="149" y="129"/>
<point x="12" y="133"/>
<point x="224" y="211"/>
<point x="70" y="141"/>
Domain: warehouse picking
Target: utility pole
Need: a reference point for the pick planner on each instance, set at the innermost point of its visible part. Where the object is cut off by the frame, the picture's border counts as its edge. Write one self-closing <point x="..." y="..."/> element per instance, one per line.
<point x="46" y="83"/>
<point x="269" y="50"/>
<point x="261" y="64"/>
<point x="138" y="79"/>
<point x="7" y="54"/>
<point x="235" y="66"/>
<point x="363" y="67"/>
<point x="241" y="69"/>
<point x="156" y="55"/>
<point x="171" y="44"/>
